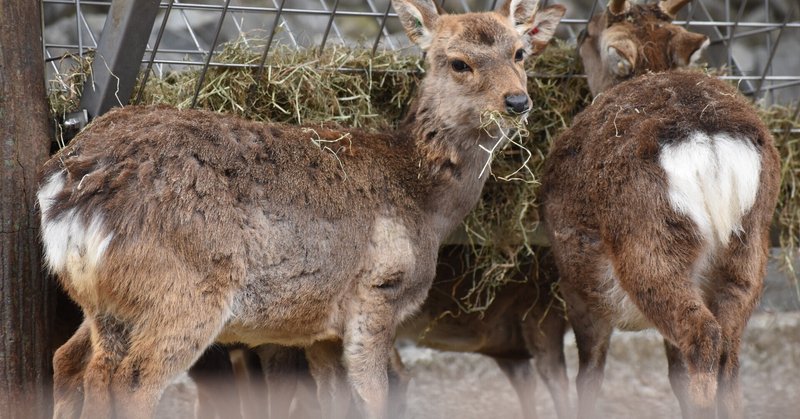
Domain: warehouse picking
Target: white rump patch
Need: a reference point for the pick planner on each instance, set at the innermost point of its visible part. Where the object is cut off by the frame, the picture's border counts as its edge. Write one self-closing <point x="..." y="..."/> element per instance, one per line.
<point x="69" y="245"/>
<point x="713" y="180"/>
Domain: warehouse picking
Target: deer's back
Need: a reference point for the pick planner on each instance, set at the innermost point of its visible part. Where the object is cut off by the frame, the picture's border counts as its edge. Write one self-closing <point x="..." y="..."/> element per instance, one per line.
<point x="614" y="155"/>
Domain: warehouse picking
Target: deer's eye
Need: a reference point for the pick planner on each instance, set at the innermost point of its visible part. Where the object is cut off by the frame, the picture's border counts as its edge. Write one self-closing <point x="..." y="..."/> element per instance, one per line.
<point x="460" y="66"/>
<point x="519" y="55"/>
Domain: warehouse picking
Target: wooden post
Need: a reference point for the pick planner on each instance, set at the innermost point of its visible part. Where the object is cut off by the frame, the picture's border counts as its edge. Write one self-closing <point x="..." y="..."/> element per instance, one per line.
<point x="26" y="293"/>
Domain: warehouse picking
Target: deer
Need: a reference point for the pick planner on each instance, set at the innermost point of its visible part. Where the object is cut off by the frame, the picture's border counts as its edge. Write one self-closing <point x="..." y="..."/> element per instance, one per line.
<point x="525" y="322"/>
<point x="175" y="229"/>
<point x="657" y="202"/>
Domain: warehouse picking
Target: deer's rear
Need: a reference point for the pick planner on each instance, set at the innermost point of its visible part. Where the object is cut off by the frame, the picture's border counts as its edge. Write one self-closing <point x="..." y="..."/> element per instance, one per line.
<point x="659" y="201"/>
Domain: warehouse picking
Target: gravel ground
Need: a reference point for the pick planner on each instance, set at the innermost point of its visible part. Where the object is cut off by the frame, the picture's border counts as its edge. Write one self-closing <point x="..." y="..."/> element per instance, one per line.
<point x="458" y="385"/>
<point x="454" y="385"/>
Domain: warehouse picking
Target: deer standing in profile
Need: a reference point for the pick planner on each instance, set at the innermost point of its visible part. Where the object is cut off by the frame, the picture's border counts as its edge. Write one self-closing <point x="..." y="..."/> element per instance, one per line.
<point x="658" y="202"/>
<point x="175" y="229"/>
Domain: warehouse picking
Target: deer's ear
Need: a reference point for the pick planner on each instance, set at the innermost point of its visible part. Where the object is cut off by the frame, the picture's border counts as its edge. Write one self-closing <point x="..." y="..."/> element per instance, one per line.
<point x="619" y="63"/>
<point x="686" y="47"/>
<point x="616" y="7"/>
<point x="536" y="26"/>
<point x="618" y="52"/>
<point x="419" y="19"/>
<point x="543" y="27"/>
<point x="519" y="12"/>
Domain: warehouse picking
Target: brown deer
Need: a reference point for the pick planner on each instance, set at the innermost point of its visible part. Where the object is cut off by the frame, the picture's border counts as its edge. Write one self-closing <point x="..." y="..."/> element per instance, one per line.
<point x="175" y="229"/>
<point x="658" y="202"/>
<point x="524" y="323"/>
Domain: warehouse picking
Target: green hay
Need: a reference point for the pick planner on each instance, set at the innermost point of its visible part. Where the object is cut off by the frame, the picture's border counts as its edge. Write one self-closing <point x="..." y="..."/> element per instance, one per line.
<point x="342" y="86"/>
<point x="349" y="87"/>
<point x="782" y="120"/>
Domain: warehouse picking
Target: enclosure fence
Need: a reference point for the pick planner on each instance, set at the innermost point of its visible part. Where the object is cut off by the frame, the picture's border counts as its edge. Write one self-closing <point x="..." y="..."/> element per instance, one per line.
<point x="760" y="54"/>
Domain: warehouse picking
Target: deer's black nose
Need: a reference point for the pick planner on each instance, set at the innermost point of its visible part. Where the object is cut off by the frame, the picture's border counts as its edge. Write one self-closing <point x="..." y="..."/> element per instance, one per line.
<point x="517" y="104"/>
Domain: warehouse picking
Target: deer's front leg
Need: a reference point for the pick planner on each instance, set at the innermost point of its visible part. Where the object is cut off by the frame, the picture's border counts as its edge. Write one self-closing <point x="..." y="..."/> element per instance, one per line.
<point x="368" y="345"/>
<point x="325" y="365"/>
<point x="592" y="337"/>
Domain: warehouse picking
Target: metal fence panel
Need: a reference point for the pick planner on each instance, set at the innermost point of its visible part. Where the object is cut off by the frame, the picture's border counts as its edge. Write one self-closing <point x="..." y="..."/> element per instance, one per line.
<point x="757" y="41"/>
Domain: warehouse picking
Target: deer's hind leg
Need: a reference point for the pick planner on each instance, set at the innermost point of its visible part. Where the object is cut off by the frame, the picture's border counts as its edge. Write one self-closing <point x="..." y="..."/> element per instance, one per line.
<point x="161" y="348"/>
<point x="110" y="343"/>
<point x="520" y="373"/>
<point x="282" y="367"/>
<point x="678" y="376"/>
<point x="656" y="266"/>
<point x="592" y="337"/>
<point x="217" y="396"/>
<point x="325" y="365"/>
<point x="739" y="284"/>
<point x="578" y="259"/>
<point x="69" y="364"/>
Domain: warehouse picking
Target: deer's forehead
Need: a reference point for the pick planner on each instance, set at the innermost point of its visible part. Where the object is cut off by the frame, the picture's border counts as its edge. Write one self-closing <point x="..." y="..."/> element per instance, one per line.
<point x="486" y="31"/>
<point x="641" y="15"/>
<point x="646" y="22"/>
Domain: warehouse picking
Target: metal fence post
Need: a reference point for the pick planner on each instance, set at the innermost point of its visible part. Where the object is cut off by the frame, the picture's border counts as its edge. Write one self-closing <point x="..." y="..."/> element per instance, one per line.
<point x="119" y="55"/>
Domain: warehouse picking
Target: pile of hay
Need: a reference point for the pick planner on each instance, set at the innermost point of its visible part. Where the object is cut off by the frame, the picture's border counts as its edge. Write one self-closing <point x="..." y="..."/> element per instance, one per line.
<point x="785" y="125"/>
<point x="352" y="88"/>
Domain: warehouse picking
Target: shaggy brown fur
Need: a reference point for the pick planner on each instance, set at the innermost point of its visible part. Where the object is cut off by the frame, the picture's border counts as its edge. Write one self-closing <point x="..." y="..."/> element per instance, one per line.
<point x="629" y="249"/>
<point x="174" y="229"/>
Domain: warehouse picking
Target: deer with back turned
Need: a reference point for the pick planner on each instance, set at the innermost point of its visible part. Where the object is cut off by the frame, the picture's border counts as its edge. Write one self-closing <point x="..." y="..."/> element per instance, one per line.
<point x="658" y="202"/>
<point x="175" y="229"/>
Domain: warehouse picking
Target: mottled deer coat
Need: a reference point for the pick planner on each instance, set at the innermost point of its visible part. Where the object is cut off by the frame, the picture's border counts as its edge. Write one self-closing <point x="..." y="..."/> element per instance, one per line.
<point x="173" y="229"/>
<point x="658" y="202"/>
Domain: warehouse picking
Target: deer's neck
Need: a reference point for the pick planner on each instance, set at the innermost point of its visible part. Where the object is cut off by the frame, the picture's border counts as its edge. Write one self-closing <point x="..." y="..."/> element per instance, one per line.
<point x="450" y="155"/>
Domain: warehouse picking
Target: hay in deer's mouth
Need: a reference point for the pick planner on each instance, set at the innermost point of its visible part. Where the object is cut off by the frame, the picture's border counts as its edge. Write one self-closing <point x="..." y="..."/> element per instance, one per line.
<point x="350" y="87"/>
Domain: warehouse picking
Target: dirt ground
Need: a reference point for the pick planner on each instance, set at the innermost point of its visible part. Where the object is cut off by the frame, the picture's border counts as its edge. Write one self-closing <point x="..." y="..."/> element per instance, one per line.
<point x="447" y="385"/>
<point x="452" y="385"/>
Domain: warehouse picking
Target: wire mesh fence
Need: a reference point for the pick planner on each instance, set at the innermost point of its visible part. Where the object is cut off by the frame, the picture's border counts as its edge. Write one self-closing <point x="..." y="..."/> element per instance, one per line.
<point x="755" y="41"/>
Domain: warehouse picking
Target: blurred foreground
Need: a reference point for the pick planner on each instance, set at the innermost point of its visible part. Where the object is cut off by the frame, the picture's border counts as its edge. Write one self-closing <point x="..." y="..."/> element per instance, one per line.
<point x="456" y="385"/>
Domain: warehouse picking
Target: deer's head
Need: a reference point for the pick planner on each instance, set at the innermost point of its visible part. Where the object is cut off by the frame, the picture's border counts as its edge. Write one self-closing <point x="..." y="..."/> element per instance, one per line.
<point x="627" y="40"/>
<point x="475" y="61"/>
